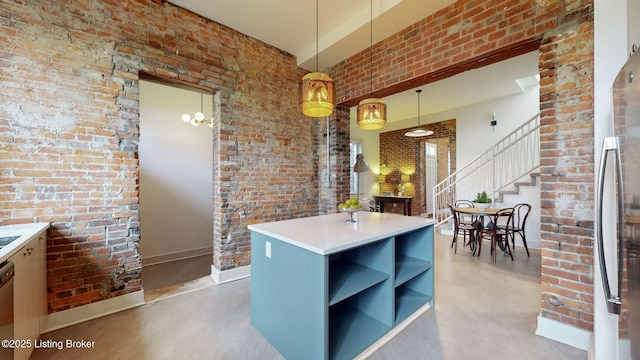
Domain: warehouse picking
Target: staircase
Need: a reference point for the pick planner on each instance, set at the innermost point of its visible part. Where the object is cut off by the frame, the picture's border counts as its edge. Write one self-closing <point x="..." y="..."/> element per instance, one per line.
<point x="515" y="190"/>
<point x="509" y="164"/>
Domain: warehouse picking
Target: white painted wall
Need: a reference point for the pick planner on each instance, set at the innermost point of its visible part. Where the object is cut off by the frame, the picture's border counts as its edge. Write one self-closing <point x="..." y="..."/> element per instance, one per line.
<point x="176" y="175"/>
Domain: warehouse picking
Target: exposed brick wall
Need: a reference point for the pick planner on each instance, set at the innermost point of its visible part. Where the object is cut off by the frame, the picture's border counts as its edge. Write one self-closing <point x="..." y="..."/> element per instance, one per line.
<point x="471" y="30"/>
<point x="334" y="188"/>
<point x="69" y="128"/>
<point x="404" y="155"/>
<point x="425" y="51"/>
<point x="567" y="170"/>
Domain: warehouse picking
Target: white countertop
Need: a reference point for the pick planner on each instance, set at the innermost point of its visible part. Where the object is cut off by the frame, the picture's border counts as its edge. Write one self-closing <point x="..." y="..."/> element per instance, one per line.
<point x="327" y="234"/>
<point x="26" y="233"/>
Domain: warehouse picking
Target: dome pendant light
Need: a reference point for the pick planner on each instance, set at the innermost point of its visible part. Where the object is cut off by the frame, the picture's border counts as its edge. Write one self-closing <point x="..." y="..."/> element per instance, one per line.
<point x="418" y="131"/>
<point x="316" y="89"/>
<point x="372" y="112"/>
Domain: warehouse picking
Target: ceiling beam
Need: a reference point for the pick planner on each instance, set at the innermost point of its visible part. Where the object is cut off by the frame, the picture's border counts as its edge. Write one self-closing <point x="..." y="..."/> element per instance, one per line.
<point x="495" y="56"/>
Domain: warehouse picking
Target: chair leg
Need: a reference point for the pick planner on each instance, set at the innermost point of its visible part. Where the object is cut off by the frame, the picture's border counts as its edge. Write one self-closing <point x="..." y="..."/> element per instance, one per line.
<point x="524" y="240"/>
<point x="508" y="248"/>
<point x="493" y="249"/>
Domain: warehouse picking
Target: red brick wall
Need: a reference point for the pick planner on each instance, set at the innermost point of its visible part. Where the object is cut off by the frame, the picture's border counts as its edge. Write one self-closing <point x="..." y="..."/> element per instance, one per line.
<point x="69" y="128"/>
<point x="405" y="155"/>
<point x="455" y="39"/>
<point x="567" y="171"/>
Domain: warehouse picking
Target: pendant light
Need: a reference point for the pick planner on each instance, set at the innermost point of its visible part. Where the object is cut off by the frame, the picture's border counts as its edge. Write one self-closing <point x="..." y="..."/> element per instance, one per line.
<point x="316" y="89"/>
<point x="372" y="112"/>
<point x="417" y="132"/>
<point x="198" y="117"/>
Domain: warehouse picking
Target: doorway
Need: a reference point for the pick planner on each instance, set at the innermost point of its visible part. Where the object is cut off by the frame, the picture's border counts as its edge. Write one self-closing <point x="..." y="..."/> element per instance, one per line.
<point x="431" y="174"/>
<point x="176" y="186"/>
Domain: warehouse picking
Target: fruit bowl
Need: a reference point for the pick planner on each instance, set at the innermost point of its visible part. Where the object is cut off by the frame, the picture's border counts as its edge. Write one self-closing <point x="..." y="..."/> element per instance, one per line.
<point x="350" y="211"/>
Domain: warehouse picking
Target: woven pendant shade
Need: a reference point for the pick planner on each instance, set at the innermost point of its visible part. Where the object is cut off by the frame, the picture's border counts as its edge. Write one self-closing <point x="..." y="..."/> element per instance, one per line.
<point x="372" y="114"/>
<point x="316" y="95"/>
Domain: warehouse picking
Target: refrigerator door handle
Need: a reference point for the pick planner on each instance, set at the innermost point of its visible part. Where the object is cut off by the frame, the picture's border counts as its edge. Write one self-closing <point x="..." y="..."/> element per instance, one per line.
<point x="610" y="144"/>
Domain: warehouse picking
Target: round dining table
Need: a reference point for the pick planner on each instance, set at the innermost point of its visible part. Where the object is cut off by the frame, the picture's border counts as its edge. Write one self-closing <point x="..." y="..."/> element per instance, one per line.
<point x="480" y="213"/>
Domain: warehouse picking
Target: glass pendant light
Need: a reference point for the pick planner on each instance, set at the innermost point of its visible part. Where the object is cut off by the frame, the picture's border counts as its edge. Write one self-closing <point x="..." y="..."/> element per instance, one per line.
<point x="316" y="89"/>
<point x="372" y="112"/>
<point x="198" y="117"/>
<point x="417" y="132"/>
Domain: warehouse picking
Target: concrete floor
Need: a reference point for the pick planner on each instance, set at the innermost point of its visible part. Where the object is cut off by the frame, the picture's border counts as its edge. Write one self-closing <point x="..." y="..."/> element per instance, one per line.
<point x="482" y="311"/>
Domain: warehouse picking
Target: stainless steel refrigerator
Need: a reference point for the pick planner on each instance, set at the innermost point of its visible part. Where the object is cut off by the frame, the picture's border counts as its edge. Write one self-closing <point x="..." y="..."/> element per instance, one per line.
<point x="619" y="184"/>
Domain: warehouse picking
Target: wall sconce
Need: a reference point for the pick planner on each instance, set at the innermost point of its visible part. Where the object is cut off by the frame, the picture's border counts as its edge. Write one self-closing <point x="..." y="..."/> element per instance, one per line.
<point x="405" y="178"/>
<point x="494" y="122"/>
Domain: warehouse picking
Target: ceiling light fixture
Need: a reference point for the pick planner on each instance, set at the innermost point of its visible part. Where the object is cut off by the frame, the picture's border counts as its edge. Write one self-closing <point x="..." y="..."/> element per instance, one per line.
<point x="418" y="131"/>
<point x="372" y="112"/>
<point x="316" y="89"/>
<point x="198" y="118"/>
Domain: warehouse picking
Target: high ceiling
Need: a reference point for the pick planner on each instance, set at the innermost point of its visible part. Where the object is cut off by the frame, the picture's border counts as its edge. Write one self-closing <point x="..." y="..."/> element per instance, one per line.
<point x="344" y="28"/>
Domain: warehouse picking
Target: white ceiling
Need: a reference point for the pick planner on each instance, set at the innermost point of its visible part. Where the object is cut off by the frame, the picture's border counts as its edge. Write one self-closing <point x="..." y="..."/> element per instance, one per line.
<point x="344" y="28"/>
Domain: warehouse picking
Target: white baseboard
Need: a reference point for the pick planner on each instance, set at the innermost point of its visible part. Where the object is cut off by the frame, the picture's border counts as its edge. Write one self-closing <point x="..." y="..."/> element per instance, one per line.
<point x="159" y="259"/>
<point x="76" y="315"/>
<point x="221" y="277"/>
<point x="392" y="333"/>
<point x="563" y="333"/>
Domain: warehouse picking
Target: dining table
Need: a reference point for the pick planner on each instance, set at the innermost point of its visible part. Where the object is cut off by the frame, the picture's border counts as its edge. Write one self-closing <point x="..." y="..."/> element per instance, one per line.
<point x="480" y="214"/>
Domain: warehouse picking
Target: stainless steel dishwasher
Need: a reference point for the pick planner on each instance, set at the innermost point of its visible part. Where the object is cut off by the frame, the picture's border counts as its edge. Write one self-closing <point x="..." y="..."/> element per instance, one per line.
<point x="6" y="309"/>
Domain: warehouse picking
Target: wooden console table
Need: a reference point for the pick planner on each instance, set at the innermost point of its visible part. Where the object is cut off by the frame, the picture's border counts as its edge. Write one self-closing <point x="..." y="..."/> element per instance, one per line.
<point x="405" y="200"/>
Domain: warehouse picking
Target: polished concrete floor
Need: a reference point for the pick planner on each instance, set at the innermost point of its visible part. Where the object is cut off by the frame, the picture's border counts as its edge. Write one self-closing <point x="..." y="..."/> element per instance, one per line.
<point x="482" y="311"/>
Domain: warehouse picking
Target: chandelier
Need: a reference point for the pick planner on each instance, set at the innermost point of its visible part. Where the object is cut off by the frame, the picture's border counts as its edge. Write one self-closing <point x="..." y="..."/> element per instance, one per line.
<point x="198" y="117"/>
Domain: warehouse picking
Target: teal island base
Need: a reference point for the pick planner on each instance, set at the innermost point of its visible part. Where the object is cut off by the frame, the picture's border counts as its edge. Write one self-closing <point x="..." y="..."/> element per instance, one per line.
<point x="322" y="288"/>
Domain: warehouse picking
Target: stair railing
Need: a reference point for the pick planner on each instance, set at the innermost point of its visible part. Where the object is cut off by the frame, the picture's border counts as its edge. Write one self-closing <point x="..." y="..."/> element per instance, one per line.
<point x="514" y="156"/>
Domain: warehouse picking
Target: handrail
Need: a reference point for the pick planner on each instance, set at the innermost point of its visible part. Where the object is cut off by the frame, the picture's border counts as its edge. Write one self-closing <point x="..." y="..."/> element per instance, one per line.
<point x="514" y="156"/>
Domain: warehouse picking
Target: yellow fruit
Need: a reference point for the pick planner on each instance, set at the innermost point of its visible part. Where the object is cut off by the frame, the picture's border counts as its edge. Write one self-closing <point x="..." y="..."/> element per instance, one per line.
<point x="343" y="205"/>
<point x="353" y="206"/>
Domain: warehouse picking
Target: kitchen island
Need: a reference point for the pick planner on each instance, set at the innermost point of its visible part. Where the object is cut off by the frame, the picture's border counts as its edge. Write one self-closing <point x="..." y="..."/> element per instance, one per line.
<point x="323" y="288"/>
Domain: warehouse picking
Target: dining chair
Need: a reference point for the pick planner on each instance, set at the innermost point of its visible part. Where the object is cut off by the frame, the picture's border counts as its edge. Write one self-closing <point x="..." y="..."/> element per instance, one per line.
<point x="497" y="232"/>
<point x="458" y="227"/>
<point x="518" y="221"/>
<point x="465" y="218"/>
<point x="373" y="207"/>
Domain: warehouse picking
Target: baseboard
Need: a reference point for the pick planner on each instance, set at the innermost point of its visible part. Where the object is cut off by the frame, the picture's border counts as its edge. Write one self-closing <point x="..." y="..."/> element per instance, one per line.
<point x="392" y="333"/>
<point x="180" y="255"/>
<point x="563" y="333"/>
<point x="76" y="315"/>
<point x="221" y="277"/>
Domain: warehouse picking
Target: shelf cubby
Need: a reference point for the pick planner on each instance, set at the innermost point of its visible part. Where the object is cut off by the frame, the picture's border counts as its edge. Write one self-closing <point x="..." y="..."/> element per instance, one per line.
<point x="411" y="296"/>
<point x="352" y="327"/>
<point x="348" y="278"/>
<point x="408" y="267"/>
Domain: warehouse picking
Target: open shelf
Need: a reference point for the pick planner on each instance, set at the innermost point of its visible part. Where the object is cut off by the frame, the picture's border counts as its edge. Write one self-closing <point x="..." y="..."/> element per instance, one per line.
<point x="407" y="302"/>
<point x="352" y="331"/>
<point x="347" y="279"/>
<point x="408" y="267"/>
